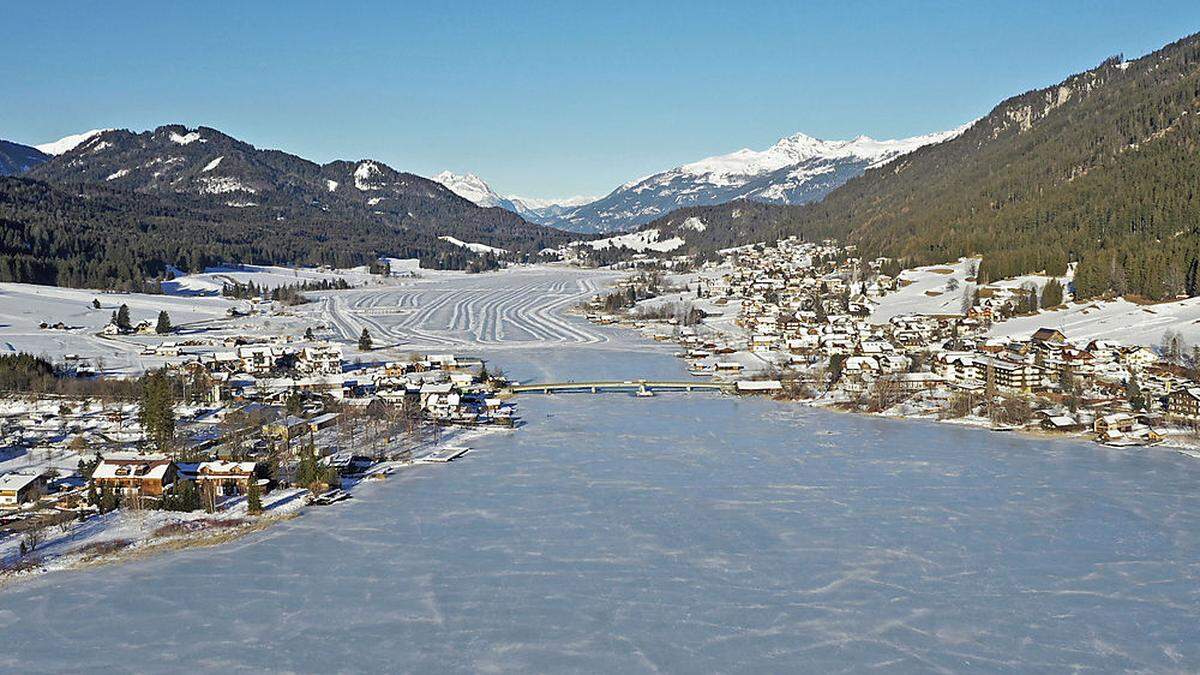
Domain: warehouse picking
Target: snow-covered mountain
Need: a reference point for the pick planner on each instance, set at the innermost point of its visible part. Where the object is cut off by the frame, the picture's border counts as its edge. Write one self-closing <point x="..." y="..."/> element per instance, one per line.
<point x="204" y="168"/>
<point x="795" y="170"/>
<point x="535" y="210"/>
<point x="473" y="189"/>
<point x="68" y="143"/>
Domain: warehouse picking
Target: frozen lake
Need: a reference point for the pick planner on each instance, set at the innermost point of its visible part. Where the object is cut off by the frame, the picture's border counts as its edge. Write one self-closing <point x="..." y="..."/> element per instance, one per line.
<point x="679" y="533"/>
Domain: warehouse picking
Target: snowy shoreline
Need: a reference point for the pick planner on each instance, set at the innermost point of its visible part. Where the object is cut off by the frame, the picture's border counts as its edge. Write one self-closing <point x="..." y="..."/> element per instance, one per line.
<point x="983" y="424"/>
<point x="126" y="535"/>
<point x="1172" y="440"/>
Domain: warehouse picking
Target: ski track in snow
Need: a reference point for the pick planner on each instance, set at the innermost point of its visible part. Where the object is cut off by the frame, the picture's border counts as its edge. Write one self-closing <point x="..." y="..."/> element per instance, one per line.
<point x="510" y="310"/>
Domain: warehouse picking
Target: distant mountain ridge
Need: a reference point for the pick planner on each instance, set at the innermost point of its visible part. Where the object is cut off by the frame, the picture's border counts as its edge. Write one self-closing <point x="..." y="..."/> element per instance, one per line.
<point x="795" y="170"/>
<point x="208" y="164"/>
<point x="16" y="158"/>
<point x="68" y="143"/>
<point x="540" y="211"/>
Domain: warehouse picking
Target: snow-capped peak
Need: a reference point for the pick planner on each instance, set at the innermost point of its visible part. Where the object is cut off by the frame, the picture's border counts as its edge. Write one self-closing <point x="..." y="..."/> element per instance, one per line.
<point x="795" y="170"/>
<point x="801" y="147"/>
<point x="69" y="143"/>
<point x="470" y="187"/>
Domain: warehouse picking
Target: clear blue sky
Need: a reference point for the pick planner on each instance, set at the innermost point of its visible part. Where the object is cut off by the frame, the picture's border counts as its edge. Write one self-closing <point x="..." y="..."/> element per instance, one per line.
<point x="547" y="99"/>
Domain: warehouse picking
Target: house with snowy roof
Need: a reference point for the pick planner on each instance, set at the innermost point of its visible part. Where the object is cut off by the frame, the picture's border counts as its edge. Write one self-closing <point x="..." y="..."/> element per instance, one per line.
<point x="19" y="488"/>
<point x="133" y="474"/>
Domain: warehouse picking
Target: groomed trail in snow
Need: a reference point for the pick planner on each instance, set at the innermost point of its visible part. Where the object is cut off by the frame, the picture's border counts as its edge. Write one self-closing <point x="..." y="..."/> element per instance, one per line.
<point x="521" y="308"/>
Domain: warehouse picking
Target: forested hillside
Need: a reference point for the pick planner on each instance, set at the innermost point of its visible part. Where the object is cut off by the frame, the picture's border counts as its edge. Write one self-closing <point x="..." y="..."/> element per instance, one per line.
<point x="96" y="236"/>
<point x="1102" y="169"/>
<point x="119" y="207"/>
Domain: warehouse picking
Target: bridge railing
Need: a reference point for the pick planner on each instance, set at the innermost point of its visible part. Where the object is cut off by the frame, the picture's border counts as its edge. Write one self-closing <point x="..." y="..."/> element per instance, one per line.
<point x="621" y="386"/>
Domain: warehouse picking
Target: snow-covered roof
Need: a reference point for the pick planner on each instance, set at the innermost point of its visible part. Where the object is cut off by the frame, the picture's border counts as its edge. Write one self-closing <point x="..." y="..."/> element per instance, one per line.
<point x="136" y="467"/>
<point x="17" y="481"/>
<point x="223" y="467"/>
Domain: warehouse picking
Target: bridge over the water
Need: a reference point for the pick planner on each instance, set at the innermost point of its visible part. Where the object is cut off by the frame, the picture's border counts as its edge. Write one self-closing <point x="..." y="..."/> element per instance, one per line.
<point x="623" y="386"/>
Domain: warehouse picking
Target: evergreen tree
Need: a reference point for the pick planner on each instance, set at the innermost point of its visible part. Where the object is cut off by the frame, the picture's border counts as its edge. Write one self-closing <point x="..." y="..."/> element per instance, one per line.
<point x="1052" y="294"/>
<point x="1133" y="393"/>
<point x="1066" y="384"/>
<point x="295" y="404"/>
<point x="108" y="500"/>
<point x="818" y="306"/>
<point x="164" y="323"/>
<point x="182" y="497"/>
<point x="308" y="334"/>
<point x="836" y="362"/>
<point x="1030" y="303"/>
<point x="157" y="409"/>
<point x="310" y="473"/>
<point x="364" y="341"/>
<point x="121" y="317"/>
<point x="254" y="497"/>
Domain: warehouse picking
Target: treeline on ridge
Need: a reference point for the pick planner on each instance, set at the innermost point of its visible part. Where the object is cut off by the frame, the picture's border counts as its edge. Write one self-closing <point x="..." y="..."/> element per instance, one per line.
<point x="92" y="236"/>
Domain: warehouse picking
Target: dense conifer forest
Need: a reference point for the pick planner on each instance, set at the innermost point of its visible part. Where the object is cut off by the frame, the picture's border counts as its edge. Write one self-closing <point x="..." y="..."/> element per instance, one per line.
<point x="99" y="237"/>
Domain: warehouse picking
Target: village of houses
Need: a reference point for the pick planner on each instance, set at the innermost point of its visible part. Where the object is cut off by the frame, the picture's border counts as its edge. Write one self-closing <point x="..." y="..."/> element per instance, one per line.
<point x="260" y="427"/>
<point x="802" y="321"/>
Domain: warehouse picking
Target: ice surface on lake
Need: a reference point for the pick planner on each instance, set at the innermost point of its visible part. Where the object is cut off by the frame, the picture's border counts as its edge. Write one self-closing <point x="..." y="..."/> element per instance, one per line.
<point x="679" y="533"/>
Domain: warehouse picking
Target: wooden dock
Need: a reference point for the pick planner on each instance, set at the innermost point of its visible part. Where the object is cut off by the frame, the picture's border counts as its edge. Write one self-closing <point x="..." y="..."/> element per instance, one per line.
<point x="446" y="455"/>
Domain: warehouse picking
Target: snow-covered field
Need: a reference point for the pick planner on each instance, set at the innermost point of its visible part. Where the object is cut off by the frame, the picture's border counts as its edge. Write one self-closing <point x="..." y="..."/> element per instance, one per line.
<point x="24" y="306"/>
<point x="213" y="279"/>
<point x="435" y="311"/>
<point x="937" y="289"/>
<point x="519" y="307"/>
<point x="645" y="240"/>
<point x="472" y="246"/>
<point x="1120" y="320"/>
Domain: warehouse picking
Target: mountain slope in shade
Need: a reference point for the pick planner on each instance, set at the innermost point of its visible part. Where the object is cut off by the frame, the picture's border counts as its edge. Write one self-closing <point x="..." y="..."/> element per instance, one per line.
<point x="16" y="158"/>
<point x="796" y="170"/>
